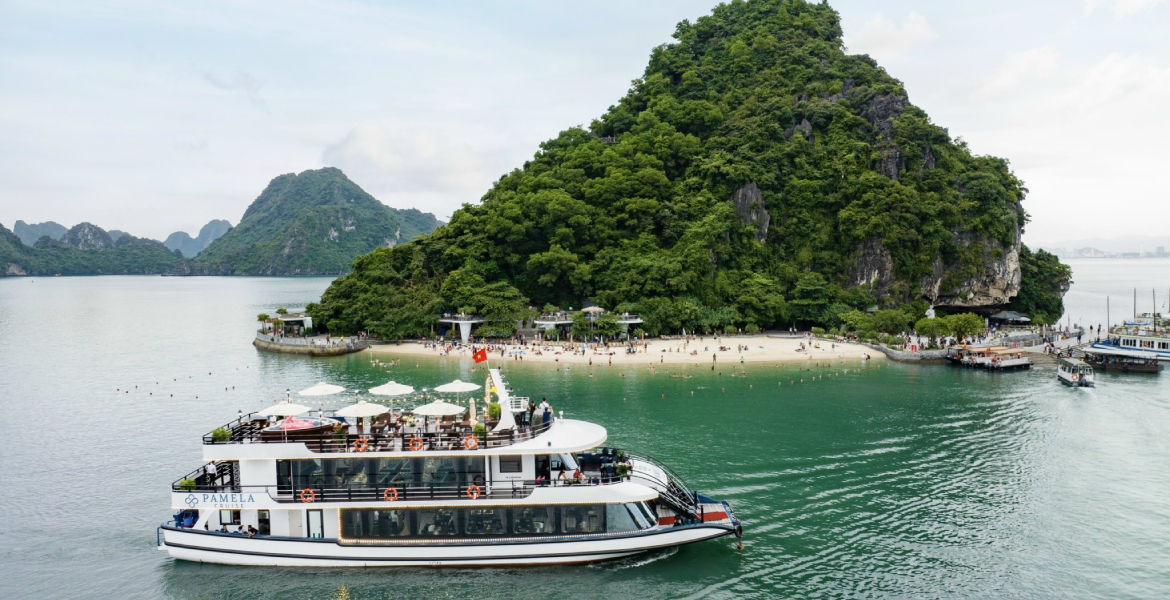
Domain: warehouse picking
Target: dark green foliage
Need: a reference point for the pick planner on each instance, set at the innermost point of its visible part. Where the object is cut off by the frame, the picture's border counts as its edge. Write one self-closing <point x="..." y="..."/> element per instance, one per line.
<point x="128" y="256"/>
<point x="1043" y="280"/>
<point x="637" y="209"/>
<point x="313" y="223"/>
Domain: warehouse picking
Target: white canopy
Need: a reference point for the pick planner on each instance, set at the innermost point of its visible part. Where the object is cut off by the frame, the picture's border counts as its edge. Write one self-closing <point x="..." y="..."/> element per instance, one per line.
<point x="283" y="409"/>
<point x="322" y="389"/>
<point x="438" y="408"/>
<point x="392" y="389"/>
<point x="362" y="409"/>
<point x="457" y="387"/>
<point x="593" y="309"/>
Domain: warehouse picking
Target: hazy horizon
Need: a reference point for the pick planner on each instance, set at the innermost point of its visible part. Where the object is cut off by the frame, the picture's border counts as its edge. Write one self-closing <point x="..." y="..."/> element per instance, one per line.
<point x="159" y="119"/>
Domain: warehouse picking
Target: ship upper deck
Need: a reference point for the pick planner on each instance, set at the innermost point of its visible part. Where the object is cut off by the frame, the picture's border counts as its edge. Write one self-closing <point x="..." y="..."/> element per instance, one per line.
<point x="255" y="437"/>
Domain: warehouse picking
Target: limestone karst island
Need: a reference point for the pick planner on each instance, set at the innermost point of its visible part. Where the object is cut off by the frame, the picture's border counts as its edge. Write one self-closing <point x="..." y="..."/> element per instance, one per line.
<point x="769" y="299"/>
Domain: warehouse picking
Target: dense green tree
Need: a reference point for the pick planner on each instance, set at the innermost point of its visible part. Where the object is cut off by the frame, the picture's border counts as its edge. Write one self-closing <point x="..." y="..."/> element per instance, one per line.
<point x="932" y="327"/>
<point x="964" y="325"/>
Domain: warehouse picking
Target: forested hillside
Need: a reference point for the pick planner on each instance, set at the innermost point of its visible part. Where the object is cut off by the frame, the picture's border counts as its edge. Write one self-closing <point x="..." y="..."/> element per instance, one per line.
<point x="312" y="223"/>
<point x="84" y="250"/>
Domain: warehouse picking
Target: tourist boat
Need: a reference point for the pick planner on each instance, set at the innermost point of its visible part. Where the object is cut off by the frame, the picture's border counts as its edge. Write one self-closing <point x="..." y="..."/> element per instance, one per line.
<point x="981" y="357"/>
<point x="1075" y="372"/>
<point x="1123" y="361"/>
<point x="317" y="492"/>
<point x="1135" y="342"/>
<point x="1008" y="360"/>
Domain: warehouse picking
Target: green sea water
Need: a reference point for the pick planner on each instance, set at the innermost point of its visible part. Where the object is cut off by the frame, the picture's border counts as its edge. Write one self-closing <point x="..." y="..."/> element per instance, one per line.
<point x="896" y="482"/>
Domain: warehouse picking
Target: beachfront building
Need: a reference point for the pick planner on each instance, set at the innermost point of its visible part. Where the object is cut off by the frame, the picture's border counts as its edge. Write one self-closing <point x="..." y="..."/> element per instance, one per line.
<point x="464" y="321"/>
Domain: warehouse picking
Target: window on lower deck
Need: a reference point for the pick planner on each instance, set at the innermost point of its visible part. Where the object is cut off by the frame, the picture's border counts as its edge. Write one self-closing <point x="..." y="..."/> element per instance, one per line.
<point x="533" y="520"/>
<point x="229" y="517"/>
<point x="582" y="519"/>
<point x="487" y="521"/>
<point x="375" y="524"/>
<point x="437" y="522"/>
<point x="618" y="519"/>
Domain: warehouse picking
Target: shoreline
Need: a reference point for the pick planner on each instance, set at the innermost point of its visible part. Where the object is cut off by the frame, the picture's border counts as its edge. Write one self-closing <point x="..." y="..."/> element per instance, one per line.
<point x="706" y="351"/>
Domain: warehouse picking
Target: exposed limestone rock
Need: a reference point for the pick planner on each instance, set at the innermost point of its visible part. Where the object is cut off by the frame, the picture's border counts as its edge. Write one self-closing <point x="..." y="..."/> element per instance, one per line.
<point x="88" y="236"/>
<point x="15" y="270"/>
<point x="881" y="111"/>
<point x="749" y="205"/>
<point x="873" y="266"/>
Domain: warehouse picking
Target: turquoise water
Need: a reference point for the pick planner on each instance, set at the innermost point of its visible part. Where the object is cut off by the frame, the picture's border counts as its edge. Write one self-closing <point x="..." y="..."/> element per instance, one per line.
<point x="903" y="481"/>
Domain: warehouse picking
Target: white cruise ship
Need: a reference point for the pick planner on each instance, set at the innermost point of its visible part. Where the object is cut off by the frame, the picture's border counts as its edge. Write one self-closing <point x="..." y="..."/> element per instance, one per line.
<point x="320" y="492"/>
<point x="1135" y="342"/>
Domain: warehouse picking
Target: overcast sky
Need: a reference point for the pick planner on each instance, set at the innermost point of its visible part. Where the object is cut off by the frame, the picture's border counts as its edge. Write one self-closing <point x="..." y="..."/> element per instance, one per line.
<point x="150" y="118"/>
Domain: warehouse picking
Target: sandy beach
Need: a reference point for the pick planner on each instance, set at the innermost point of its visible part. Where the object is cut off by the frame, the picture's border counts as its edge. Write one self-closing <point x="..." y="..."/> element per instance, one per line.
<point x="698" y="351"/>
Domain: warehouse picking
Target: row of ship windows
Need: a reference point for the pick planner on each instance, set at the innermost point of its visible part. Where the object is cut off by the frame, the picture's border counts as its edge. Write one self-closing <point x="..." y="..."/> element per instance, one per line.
<point x="527" y="521"/>
<point x="1145" y="344"/>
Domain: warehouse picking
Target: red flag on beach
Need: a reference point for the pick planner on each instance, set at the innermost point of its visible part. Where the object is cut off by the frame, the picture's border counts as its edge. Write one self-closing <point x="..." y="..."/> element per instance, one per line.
<point x="480" y="355"/>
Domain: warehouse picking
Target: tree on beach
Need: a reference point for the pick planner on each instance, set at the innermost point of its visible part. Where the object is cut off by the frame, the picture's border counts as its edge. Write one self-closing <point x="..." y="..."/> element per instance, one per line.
<point x="932" y="328"/>
<point x="964" y="325"/>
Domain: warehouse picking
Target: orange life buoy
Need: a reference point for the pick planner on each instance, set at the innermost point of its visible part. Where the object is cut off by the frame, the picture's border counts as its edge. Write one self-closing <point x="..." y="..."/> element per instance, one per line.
<point x="416" y="444"/>
<point x="361" y="445"/>
<point x="473" y="492"/>
<point x="390" y="495"/>
<point x="307" y="495"/>
<point x="470" y="442"/>
<point x="1075" y="377"/>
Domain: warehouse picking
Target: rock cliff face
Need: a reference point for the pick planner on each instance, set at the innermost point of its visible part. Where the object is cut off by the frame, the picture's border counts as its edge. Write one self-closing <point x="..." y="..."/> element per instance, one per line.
<point x="87" y="236"/>
<point x="749" y="205"/>
<point x="993" y="286"/>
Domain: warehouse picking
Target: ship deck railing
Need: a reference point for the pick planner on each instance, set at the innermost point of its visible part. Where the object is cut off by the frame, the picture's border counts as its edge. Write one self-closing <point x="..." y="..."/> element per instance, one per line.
<point x="337" y="488"/>
<point x="449" y="437"/>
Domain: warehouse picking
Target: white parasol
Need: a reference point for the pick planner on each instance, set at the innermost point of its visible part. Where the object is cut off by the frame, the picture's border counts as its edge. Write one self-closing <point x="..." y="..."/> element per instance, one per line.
<point x="362" y="409"/>
<point x="283" y="409"/>
<point x="321" y="389"/>
<point x="392" y="389"/>
<point x="438" y="408"/>
<point x="593" y="309"/>
<point x="457" y="387"/>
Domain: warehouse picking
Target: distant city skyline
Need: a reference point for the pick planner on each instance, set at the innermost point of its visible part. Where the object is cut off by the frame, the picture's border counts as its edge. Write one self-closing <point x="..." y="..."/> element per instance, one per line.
<point x="155" y="119"/>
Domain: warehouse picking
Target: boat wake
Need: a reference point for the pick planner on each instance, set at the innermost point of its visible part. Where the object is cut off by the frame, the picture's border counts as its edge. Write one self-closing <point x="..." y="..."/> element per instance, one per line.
<point x="634" y="562"/>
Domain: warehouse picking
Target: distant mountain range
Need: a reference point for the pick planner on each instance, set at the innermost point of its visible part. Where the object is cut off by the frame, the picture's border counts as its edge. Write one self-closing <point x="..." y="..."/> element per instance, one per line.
<point x="314" y="223"/>
<point x="1103" y="247"/>
<point x="189" y="246"/>
<point x="179" y="240"/>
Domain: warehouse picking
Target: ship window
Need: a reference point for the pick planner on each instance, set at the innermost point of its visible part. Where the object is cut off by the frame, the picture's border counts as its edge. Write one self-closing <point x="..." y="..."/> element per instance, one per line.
<point x="511" y="464"/>
<point x="229" y="517"/>
<point x="582" y="519"/>
<point x="533" y="520"/>
<point x="375" y="524"/>
<point x="1164" y="345"/>
<point x="618" y="519"/>
<point x="487" y="521"/>
<point x="437" y="522"/>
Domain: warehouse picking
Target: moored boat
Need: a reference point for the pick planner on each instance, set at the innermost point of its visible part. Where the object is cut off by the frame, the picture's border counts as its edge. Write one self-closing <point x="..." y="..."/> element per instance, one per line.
<point x="1075" y="372"/>
<point x="324" y="492"/>
<point x="1122" y="361"/>
<point x="1008" y="360"/>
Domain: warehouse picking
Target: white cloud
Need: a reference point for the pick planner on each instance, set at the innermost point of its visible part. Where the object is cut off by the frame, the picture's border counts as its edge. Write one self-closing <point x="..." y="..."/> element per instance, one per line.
<point x="1019" y="65"/>
<point x="1122" y="8"/>
<point x="1119" y="82"/>
<point x="883" y="38"/>
<point x="435" y="169"/>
